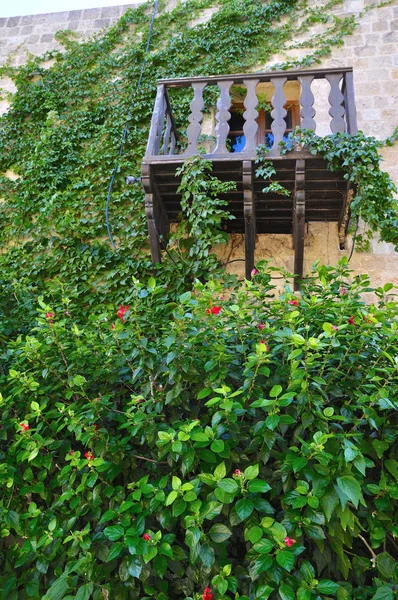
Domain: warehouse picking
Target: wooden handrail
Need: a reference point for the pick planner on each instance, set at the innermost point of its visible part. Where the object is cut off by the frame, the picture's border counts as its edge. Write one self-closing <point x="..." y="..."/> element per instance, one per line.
<point x="163" y="134"/>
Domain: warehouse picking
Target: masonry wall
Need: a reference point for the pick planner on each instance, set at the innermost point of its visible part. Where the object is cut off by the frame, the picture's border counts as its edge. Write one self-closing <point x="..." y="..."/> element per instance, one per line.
<point x="373" y="53"/>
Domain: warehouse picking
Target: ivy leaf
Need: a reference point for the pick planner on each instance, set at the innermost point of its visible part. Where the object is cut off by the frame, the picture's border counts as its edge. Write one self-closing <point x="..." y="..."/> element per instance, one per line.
<point x="255" y="534"/>
<point x="257" y="485"/>
<point x="384" y="592"/>
<point x="351" y="488"/>
<point x="85" y="591"/>
<point x="286" y="592"/>
<point x="58" y="589"/>
<point x="114" y="532"/>
<point x="219" y="533"/>
<point x="244" y="508"/>
<point x="285" y="559"/>
<point x="326" y="586"/>
<point x="206" y="555"/>
<point x="115" y="551"/>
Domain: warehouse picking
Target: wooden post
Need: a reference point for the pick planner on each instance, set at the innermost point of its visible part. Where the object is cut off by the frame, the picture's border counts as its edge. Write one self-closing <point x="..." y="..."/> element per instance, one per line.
<point x="157" y="120"/>
<point x="249" y="215"/>
<point x="299" y="222"/>
<point x="158" y="222"/>
<point x="345" y="216"/>
<point x="349" y="103"/>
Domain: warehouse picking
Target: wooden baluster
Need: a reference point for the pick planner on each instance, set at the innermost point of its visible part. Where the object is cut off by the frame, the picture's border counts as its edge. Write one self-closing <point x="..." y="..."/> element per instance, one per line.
<point x="195" y="119"/>
<point x="166" y="137"/>
<point x="336" y="100"/>
<point x="157" y="120"/>
<point x="249" y="216"/>
<point x="349" y="103"/>
<point x="299" y="222"/>
<point x="278" y="126"/>
<point x="157" y="219"/>
<point x="223" y="115"/>
<point x="250" y="115"/>
<point x="307" y="112"/>
<point x="173" y="143"/>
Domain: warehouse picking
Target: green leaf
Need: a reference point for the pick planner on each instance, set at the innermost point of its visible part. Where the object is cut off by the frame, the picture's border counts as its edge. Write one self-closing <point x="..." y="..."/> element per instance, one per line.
<point x="326" y="586"/>
<point x="204" y="393"/>
<point x="350" y="487"/>
<point x="285" y="559"/>
<point x="260" y="566"/>
<point x="114" y="532"/>
<point x="257" y="485"/>
<point x="392" y="466"/>
<point x="171" y="497"/>
<point x="251" y="472"/>
<point x="286" y="592"/>
<point x="206" y="555"/>
<point x="115" y="551"/>
<point x="219" y="533"/>
<point x="264" y="546"/>
<point x="228" y="485"/>
<point x="386" y="565"/>
<point x="275" y="391"/>
<point x="244" y="508"/>
<point x="135" y="567"/>
<point x="58" y="589"/>
<point x="84" y="592"/>
<point x="384" y="592"/>
<point x="255" y="534"/>
<point x="220" y="471"/>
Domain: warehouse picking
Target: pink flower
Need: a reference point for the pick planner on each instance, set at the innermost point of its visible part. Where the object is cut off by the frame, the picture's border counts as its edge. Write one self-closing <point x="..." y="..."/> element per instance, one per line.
<point x="343" y="291"/>
<point x="238" y="472"/>
<point x="213" y="310"/>
<point x="113" y="326"/>
<point x="207" y="594"/>
<point x="289" y="541"/>
<point x="24" y="427"/>
<point x="89" y="455"/>
<point x="293" y="302"/>
<point x="49" y="315"/>
<point x="67" y="313"/>
<point x="351" y="321"/>
<point x="122" y="311"/>
<point x="261" y="326"/>
<point x="335" y="328"/>
<point x="254" y="272"/>
<point x="264" y="344"/>
<point x="146" y="537"/>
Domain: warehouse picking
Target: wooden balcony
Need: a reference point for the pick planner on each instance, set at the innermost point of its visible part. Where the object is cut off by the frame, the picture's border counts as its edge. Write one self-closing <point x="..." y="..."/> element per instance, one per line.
<point x="317" y="194"/>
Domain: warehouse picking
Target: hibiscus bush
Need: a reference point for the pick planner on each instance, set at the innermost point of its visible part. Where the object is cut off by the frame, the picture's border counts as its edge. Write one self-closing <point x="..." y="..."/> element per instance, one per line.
<point x="231" y="444"/>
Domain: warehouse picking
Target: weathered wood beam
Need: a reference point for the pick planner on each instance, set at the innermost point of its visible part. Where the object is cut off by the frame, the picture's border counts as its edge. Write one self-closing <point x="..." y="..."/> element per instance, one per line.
<point x="299" y="222"/>
<point x="345" y="216"/>
<point x="249" y="216"/>
<point x="158" y="222"/>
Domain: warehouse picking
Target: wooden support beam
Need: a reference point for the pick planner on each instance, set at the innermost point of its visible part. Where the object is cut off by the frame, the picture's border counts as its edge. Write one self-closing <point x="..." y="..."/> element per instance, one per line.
<point x="249" y="215"/>
<point x="345" y="216"/>
<point x="158" y="222"/>
<point x="299" y="222"/>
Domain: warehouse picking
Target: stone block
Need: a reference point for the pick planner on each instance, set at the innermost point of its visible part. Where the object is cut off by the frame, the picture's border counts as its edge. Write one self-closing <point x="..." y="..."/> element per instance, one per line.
<point x="366" y="50"/>
<point x="73" y="25"/>
<point x="110" y="12"/>
<point x="3" y="22"/>
<point x="27" y="30"/>
<point x="33" y="39"/>
<point x="13" y="21"/>
<point x="47" y="37"/>
<point x="393" y="25"/>
<point x="380" y="26"/>
<point x="91" y="13"/>
<point x="101" y="23"/>
<point x="75" y="15"/>
<point x="367" y="89"/>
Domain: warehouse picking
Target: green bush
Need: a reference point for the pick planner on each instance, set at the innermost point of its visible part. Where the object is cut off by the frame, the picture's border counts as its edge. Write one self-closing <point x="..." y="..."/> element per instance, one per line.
<point x="245" y="443"/>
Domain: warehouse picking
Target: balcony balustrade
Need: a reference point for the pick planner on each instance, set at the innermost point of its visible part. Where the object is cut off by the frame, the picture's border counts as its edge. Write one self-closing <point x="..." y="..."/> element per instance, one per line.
<point x="317" y="194"/>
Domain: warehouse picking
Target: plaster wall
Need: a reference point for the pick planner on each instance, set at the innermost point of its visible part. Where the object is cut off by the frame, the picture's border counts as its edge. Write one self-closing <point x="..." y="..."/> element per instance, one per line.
<point x="373" y="53"/>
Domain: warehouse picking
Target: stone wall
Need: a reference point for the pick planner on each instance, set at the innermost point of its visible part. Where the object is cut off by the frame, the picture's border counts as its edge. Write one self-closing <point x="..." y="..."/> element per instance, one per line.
<point x="373" y="53"/>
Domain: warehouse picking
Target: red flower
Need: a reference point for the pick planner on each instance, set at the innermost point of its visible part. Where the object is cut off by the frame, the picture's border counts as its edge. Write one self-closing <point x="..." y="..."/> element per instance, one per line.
<point x="343" y="291"/>
<point x="264" y="344"/>
<point x="254" y="272"/>
<point x="95" y="426"/>
<point x="351" y="321"/>
<point x="260" y="326"/>
<point x="238" y="472"/>
<point x="113" y="326"/>
<point x="122" y="311"/>
<point x="49" y="315"/>
<point x="335" y="328"/>
<point x="146" y="537"/>
<point x="89" y="455"/>
<point x="289" y="541"/>
<point x="213" y="310"/>
<point x="293" y="302"/>
<point x="24" y="427"/>
<point x="207" y="595"/>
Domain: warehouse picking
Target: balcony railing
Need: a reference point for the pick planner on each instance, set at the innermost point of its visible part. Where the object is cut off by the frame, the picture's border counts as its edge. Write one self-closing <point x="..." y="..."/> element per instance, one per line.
<point x="316" y="194"/>
<point x="164" y="137"/>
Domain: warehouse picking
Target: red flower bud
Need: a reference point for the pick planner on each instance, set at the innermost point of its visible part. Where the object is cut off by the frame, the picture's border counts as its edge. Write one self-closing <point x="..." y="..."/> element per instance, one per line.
<point x="146" y="537"/>
<point x="89" y="455"/>
<point x="49" y="315"/>
<point x="289" y="541"/>
<point x="254" y="272"/>
<point x="213" y="310"/>
<point x="293" y="302"/>
<point x="24" y="427"/>
<point x="122" y="311"/>
<point x="261" y="326"/>
<point x="238" y="472"/>
<point x="351" y="321"/>
<point x="207" y="594"/>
